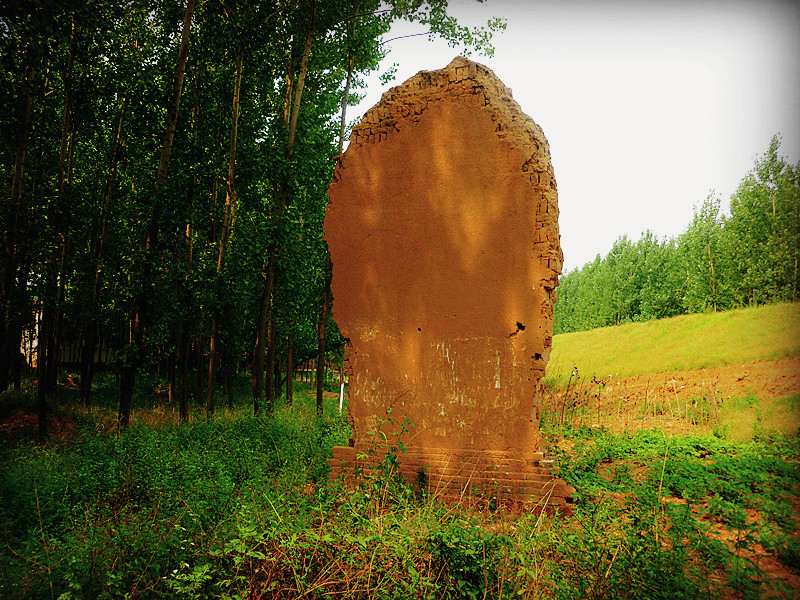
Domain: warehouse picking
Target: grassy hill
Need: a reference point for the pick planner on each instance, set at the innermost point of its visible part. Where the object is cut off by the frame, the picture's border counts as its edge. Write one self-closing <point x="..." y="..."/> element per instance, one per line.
<point x="681" y="343"/>
<point x="718" y="373"/>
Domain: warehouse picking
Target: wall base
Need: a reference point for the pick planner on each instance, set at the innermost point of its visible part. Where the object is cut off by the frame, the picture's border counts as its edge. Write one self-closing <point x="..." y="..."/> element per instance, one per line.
<point x="456" y="475"/>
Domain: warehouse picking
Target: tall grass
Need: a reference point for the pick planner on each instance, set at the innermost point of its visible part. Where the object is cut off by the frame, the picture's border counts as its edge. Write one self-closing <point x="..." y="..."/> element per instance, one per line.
<point x="239" y="507"/>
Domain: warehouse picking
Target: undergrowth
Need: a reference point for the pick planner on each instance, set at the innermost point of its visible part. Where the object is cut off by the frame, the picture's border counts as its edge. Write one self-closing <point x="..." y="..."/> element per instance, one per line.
<point x="240" y="507"/>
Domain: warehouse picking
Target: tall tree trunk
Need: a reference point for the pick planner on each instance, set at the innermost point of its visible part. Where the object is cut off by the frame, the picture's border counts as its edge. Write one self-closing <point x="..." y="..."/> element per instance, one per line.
<point x="228" y="361"/>
<point x="269" y="371"/>
<point x="323" y="320"/>
<point x="343" y="126"/>
<point x="88" y="348"/>
<point x="90" y="333"/>
<point x="348" y="81"/>
<point x="261" y="341"/>
<point x="199" y="356"/>
<point x="142" y="318"/>
<point x="11" y="259"/>
<point x="172" y="119"/>
<point x="276" y="378"/>
<point x="44" y="337"/>
<point x="301" y="76"/>
<point x="227" y="224"/>
<point x="185" y="342"/>
<point x="50" y="290"/>
<point x="183" y="377"/>
<point x="212" y="368"/>
<point x="289" y="371"/>
<point x="282" y="200"/>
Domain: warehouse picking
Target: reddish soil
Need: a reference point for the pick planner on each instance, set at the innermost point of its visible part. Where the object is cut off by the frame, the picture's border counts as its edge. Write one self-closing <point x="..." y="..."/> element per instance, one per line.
<point x="767" y="379"/>
<point x="671" y="400"/>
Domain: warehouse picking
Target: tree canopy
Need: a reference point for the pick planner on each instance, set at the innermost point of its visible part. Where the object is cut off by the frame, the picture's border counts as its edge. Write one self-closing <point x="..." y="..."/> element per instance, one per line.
<point x="165" y="167"/>
<point x="720" y="262"/>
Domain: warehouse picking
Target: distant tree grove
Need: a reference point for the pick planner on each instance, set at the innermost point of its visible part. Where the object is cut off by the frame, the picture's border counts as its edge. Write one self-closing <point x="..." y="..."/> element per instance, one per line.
<point x="720" y="262"/>
<point x="165" y="166"/>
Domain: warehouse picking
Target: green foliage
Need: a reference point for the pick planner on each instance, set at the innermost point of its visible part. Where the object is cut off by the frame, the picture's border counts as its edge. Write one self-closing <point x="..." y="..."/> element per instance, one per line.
<point x="239" y="507"/>
<point x="720" y="262"/>
<point x="116" y="230"/>
<point x="707" y="480"/>
<point x="112" y="514"/>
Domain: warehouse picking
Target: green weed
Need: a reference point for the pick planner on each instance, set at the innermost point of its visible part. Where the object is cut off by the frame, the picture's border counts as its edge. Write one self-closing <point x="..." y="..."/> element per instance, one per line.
<point x="240" y="507"/>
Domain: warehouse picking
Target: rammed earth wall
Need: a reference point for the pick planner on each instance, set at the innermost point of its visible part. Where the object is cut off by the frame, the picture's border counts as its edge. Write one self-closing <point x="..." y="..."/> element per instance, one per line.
<point x="443" y="231"/>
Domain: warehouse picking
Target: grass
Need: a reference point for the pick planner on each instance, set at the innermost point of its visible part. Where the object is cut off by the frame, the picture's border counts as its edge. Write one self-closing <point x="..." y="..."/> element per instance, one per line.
<point x="626" y="376"/>
<point x="743" y="418"/>
<point x="239" y="507"/>
<point x="679" y="343"/>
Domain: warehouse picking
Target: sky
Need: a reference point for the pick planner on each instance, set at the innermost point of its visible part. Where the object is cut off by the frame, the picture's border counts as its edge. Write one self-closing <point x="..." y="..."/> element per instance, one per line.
<point x="649" y="106"/>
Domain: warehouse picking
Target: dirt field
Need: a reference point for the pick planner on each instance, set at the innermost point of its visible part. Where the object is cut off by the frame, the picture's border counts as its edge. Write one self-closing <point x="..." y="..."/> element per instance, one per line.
<point x="755" y="397"/>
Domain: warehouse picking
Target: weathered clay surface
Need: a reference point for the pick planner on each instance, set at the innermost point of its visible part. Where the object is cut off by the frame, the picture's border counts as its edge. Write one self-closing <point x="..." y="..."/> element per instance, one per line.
<point x="443" y="231"/>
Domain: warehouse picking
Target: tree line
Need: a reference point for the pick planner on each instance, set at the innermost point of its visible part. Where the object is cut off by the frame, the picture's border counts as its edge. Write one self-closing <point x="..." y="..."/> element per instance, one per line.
<point x="165" y="168"/>
<point x="720" y="262"/>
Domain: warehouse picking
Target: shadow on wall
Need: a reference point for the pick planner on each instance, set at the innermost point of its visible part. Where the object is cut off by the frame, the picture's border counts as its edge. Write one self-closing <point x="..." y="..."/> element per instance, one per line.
<point x="437" y="282"/>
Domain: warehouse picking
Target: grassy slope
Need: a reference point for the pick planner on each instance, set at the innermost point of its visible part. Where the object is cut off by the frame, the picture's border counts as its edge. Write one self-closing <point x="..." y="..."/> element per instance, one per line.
<point x="679" y="343"/>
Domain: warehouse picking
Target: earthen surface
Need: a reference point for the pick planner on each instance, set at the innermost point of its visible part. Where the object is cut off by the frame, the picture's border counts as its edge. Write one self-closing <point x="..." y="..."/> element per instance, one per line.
<point x="443" y="231"/>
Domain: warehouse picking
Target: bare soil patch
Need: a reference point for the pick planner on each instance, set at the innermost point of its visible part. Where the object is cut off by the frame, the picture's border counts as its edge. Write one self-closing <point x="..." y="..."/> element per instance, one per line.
<point x="751" y="394"/>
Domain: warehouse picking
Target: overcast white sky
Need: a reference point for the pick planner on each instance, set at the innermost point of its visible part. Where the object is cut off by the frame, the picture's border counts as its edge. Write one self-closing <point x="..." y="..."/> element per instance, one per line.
<point x="648" y="106"/>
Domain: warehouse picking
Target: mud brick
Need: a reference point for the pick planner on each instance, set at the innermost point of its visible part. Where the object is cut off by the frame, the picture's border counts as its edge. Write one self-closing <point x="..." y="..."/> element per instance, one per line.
<point x="447" y="147"/>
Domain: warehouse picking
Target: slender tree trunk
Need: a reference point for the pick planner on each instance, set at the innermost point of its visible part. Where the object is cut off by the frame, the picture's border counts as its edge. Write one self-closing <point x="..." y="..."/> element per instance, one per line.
<point x="228" y="361"/>
<point x="212" y="368"/>
<point x="287" y="104"/>
<point x="348" y="81"/>
<point x="183" y="378"/>
<point x="51" y="287"/>
<point x="343" y="127"/>
<point x="282" y="200"/>
<point x="185" y="343"/>
<point x="326" y="300"/>
<point x="45" y="326"/>
<point x="11" y="259"/>
<point x="269" y="371"/>
<point x="227" y="224"/>
<point x="127" y="382"/>
<point x="264" y="352"/>
<point x="276" y="377"/>
<point x="172" y="120"/>
<point x="90" y="334"/>
<point x="171" y="377"/>
<point x="301" y="76"/>
<point x="18" y="361"/>
<point x="142" y="318"/>
<point x="261" y="332"/>
<point x="289" y="371"/>
<point x="199" y="364"/>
